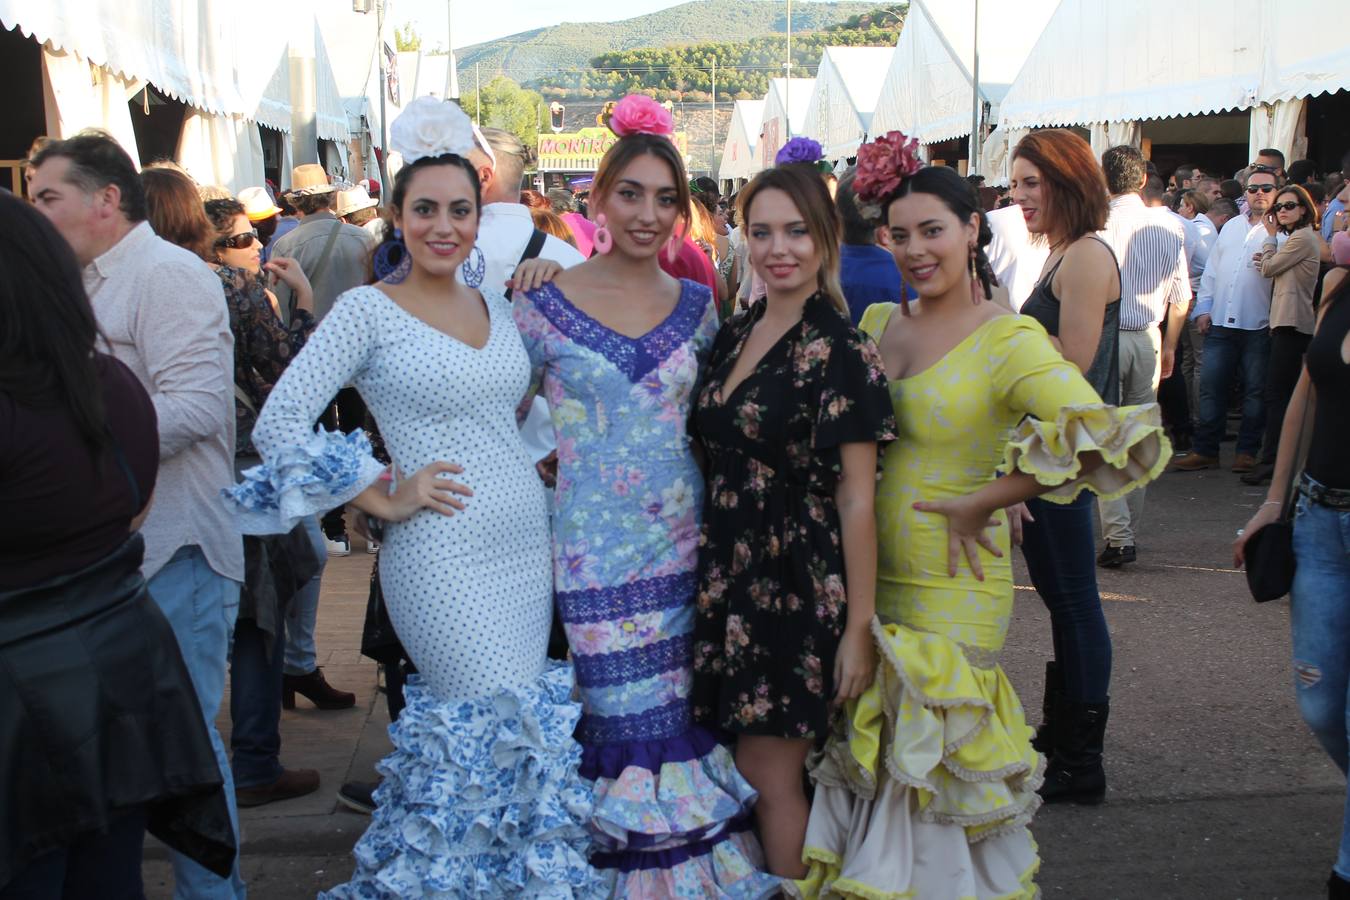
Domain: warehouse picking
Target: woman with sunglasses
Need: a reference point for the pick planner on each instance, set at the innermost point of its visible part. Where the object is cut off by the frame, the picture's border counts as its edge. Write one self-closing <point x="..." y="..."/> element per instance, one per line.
<point x="1291" y="256"/>
<point x="237" y="247"/>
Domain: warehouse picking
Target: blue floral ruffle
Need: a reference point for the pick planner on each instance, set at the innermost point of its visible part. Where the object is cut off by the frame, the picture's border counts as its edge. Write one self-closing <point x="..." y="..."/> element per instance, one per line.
<point x="481" y="798"/>
<point x="325" y="472"/>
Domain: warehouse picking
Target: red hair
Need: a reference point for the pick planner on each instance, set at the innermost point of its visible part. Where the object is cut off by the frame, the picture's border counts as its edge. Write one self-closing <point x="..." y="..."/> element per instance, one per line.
<point x="1077" y="197"/>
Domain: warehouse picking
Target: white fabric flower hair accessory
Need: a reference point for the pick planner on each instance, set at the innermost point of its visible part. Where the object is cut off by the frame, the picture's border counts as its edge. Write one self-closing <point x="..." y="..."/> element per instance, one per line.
<point x="430" y="127"/>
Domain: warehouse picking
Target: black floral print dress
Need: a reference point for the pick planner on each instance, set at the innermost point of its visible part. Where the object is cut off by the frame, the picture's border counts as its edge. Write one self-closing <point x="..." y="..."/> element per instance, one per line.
<point x="771" y="600"/>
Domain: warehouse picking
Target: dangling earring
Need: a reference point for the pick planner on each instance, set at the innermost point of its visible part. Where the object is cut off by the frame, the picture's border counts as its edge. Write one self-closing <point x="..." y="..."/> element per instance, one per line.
<point x="602" y="239"/>
<point x="673" y="249"/>
<point x="976" y="289"/>
<point x="392" y="261"/>
<point x="474" y="268"/>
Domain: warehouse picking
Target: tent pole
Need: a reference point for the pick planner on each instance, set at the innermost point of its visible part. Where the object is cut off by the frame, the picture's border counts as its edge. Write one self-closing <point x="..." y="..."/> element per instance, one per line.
<point x="975" y="98"/>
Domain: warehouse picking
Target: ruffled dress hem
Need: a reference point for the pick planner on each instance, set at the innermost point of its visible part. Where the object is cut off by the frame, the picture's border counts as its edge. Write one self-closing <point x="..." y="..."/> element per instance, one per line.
<point x="324" y="473"/>
<point x="481" y="798"/>
<point x="672" y="818"/>
<point x="935" y="764"/>
<point x="1130" y="439"/>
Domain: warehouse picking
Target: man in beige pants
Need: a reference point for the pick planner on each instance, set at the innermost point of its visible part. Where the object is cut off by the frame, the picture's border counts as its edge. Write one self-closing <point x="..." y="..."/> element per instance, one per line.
<point x="1154" y="283"/>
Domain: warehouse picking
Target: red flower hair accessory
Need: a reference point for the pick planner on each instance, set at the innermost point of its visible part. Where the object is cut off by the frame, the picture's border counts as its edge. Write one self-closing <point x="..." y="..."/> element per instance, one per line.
<point x="883" y="165"/>
<point x="640" y="114"/>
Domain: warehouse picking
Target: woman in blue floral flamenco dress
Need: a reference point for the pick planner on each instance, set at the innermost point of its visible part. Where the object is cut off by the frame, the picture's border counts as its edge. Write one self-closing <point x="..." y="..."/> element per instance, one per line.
<point x="616" y="345"/>
<point x="481" y="796"/>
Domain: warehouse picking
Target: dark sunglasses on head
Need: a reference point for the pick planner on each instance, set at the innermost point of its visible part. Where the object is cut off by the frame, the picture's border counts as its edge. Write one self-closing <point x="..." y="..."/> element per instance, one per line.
<point x="1263" y="188"/>
<point x="240" y="241"/>
<point x="1287" y="206"/>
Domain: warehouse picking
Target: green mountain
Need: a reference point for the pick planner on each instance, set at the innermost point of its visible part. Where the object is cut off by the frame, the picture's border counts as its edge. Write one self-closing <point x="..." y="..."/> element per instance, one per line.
<point x="532" y="56"/>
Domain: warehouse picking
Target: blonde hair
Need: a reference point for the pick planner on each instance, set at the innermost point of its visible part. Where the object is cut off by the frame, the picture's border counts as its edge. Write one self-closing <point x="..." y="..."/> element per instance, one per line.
<point x="812" y="198"/>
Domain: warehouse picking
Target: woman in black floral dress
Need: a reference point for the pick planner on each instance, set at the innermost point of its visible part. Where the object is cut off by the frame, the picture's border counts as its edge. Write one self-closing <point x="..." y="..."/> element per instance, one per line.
<point x="790" y="411"/>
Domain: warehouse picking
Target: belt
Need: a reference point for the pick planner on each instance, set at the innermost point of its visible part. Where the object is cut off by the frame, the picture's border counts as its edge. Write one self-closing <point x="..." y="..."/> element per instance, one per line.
<point x="1332" y="498"/>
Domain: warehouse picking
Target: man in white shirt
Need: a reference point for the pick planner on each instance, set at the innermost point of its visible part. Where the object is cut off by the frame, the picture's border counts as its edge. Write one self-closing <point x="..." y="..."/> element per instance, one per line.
<point x="1192" y="342"/>
<point x="1150" y="245"/>
<point x="1232" y="311"/>
<point x="1016" y="261"/>
<point x="163" y="314"/>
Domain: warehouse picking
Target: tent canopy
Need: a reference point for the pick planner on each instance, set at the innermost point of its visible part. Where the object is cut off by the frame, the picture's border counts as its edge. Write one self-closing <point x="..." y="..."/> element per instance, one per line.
<point x="785" y="107"/>
<point x="848" y="83"/>
<point x="1124" y="70"/>
<point x="330" y="115"/>
<point x="928" y="91"/>
<point x="738" y="154"/>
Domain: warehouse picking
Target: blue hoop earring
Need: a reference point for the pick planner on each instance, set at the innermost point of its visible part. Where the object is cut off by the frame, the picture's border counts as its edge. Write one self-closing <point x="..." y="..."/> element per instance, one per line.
<point x="474" y="268"/>
<point x="392" y="261"/>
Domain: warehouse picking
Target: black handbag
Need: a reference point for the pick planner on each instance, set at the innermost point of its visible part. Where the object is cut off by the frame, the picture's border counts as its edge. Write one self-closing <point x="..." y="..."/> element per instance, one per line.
<point x="1269" y="553"/>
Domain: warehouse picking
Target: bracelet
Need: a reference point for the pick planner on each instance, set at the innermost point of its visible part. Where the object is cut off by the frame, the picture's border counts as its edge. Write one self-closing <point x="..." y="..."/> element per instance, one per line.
<point x="1273" y="503"/>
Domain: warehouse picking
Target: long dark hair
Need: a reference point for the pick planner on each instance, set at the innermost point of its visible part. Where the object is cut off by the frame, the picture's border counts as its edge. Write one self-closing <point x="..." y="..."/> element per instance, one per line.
<point x="47" y="327"/>
<point x="959" y="196"/>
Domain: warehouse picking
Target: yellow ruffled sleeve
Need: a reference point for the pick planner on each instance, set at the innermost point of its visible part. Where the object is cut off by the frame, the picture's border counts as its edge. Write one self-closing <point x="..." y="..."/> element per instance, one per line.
<point x="1066" y="420"/>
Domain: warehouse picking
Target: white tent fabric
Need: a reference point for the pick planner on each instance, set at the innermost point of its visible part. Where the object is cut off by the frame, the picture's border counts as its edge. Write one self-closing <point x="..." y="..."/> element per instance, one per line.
<point x="1281" y="125"/>
<point x="270" y="100"/>
<point x="785" y="107"/>
<point x="848" y="83"/>
<point x="738" y="153"/>
<point x="1100" y="62"/>
<point x="185" y="48"/>
<point x="330" y="115"/>
<point x="78" y="94"/>
<point x="224" y="150"/>
<point x="1105" y="135"/>
<point x="928" y="91"/>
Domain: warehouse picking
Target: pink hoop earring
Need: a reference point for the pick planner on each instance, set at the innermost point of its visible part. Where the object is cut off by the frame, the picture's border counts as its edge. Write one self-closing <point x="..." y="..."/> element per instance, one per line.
<point x="602" y="239"/>
<point x="673" y="249"/>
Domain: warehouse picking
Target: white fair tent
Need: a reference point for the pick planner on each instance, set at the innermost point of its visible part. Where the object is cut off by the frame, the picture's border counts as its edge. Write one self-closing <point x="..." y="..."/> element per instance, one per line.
<point x="738" y="153"/>
<point x="785" y="108"/>
<point x="1255" y="55"/>
<point x="930" y="86"/>
<point x="848" y="84"/>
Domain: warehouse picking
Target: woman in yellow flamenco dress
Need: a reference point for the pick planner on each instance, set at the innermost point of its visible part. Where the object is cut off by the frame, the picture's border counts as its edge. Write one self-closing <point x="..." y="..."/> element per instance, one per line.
<point x="928" y="785"/>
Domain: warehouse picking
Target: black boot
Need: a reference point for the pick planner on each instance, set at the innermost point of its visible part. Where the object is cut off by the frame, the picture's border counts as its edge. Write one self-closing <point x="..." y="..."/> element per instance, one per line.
<point x="1337" y="887"/>
<point x="1074" y="773"/>
<point x="1052" y="709"/>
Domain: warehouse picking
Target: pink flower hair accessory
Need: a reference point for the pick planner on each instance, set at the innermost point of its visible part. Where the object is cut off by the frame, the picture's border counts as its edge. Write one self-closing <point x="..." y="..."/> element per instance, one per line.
<point x="640" y="114"/>
<point x="883" y="165"/>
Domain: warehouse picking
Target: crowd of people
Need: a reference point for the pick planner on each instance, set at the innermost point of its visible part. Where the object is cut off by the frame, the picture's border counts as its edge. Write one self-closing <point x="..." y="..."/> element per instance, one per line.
<point x="690" y="517"/>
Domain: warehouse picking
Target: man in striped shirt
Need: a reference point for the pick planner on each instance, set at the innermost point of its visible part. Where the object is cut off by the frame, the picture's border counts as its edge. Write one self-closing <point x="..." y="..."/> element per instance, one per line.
<point x="1154" y="285"/>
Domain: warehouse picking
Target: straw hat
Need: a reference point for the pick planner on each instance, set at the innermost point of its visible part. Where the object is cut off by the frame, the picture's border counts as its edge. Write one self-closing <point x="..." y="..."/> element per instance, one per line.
<point x="258" y="204"/>
<point x="352" y="199"/>
<point x="308" y="179"/>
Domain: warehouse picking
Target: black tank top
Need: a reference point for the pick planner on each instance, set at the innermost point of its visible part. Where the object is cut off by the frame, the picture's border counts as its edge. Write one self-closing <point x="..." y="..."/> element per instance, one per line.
<point x="1328" y="460"/>
<point x="1104" y="373"/>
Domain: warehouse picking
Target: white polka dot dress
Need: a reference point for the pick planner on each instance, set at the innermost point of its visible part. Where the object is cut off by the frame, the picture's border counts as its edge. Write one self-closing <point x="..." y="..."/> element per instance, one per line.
<point x="486" y="738"/>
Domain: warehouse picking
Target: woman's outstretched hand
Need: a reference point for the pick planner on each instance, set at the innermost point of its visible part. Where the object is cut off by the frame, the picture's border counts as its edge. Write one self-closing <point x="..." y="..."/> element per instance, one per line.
<point x="968" y="525"/>
<point x="532" y="274"/>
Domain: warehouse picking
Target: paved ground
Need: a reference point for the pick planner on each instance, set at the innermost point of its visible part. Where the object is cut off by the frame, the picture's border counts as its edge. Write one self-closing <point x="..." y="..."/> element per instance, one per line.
<point x="1218" y="791"/>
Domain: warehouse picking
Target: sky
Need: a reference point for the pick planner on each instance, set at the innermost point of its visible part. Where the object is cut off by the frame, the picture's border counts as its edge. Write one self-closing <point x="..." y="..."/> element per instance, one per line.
<point x="476" y="21"/>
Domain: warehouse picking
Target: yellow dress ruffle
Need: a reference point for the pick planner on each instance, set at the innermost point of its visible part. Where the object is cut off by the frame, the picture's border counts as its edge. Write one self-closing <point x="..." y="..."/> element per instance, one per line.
<point x="934" y="764"/>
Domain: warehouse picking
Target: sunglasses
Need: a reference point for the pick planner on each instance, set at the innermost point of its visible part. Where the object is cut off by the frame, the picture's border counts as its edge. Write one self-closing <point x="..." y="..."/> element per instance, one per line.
<point x="1263" y="188"/>
<point x="1287" y="206"/>
<point x="240" y="241"/>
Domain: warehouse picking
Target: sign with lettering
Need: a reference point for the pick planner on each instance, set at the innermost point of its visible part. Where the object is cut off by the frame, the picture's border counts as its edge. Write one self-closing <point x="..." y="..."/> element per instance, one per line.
<point x="581" y="151"/>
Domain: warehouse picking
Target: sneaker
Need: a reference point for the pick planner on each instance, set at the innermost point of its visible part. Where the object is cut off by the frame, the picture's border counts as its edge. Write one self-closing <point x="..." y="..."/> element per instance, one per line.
<point x="339" y="546"/>
<point x="358" y="796"/>
<point x="1115" y="557"/>
<point x="291" y="783"/>
<point x="372" y="546"/>
<point x="1194" y="462"/>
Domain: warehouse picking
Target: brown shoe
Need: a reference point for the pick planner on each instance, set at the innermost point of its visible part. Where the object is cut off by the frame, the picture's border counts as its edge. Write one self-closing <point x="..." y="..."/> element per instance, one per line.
<point x="1244" y="462"/>
<point x="316" y="689"/>
<point x="1194" y="462"/>
<point x="292" y="783"/>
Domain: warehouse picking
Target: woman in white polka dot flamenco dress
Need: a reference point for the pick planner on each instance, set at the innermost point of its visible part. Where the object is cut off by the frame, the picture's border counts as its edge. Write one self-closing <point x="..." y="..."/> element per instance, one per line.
<point x="481" y="796"/>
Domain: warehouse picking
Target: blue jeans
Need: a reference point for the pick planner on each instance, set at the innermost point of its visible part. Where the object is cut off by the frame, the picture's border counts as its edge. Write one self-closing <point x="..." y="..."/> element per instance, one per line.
<point x="1229" y="351"/>
<point x="201" y="607"/>
<point x="107" y="866"/>
<point x="1320" y="617"/>
<point x="303" y="612"/>
<point x="255" y="706"/>
<point x="1061" y="557"/>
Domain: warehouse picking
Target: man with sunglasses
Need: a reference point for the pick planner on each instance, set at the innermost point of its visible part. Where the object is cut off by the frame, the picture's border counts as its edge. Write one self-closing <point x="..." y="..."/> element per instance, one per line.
<point x="1232" y="311"/>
